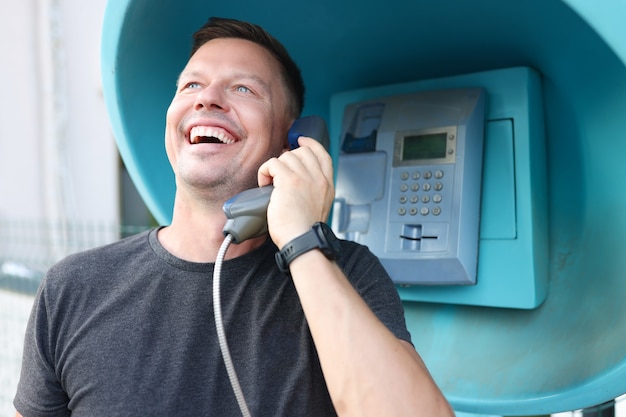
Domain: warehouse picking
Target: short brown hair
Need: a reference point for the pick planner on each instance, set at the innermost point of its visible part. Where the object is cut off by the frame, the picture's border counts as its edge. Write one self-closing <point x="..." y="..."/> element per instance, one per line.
<point x="217" y="27"/>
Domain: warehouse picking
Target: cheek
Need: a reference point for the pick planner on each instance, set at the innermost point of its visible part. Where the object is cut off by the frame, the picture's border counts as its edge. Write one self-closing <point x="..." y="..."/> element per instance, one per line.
<point x="172" y="116"/>
<point x="170" y="142"/>
<point x="168" y="149"/>
<point x="275" y="127"/>
<point x="177" y="109"/>
<point x="281" y="135"/>
<point x="172" y="122"/>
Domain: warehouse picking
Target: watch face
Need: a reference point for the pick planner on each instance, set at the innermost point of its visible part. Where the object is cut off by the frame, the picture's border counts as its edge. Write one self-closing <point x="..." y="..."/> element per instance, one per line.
<point x="333" y="245"/>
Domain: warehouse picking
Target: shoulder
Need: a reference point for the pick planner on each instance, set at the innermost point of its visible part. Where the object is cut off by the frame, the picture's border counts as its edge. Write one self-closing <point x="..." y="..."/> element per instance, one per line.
<point x="124" y="247"/>
<point x="91" y="264"/>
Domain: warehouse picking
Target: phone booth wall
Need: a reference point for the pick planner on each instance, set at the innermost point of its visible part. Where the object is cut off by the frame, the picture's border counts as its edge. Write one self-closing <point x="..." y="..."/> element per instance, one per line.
<point x="570" y="351"/>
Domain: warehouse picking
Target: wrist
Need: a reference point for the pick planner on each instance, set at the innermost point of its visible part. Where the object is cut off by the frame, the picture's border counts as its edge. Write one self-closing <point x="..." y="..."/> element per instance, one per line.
<point x="319" y="237"/>
<point x="294" y="233"/>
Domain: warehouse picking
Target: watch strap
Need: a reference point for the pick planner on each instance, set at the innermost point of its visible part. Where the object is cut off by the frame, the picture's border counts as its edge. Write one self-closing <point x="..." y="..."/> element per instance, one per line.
<point x="308" y="241"/>
<point x="320" y="236"/>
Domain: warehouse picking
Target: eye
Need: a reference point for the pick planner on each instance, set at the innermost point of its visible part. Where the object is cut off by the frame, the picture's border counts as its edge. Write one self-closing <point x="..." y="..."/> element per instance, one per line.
<point x="192" y="85"/>
<point x="242" y="89"/>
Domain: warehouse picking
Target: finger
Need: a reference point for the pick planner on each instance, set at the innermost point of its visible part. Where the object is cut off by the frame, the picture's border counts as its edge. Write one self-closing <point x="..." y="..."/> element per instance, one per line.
<point x="267" y="171"/>
<point x="284" y="166"/>
<point x="322" y="156"/>
<point x="317" y="161"/>
<point x="306" y="162"/>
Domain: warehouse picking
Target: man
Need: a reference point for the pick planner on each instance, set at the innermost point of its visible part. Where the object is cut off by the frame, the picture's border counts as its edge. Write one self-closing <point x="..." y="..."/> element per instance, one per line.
<point x="128" y="329"/>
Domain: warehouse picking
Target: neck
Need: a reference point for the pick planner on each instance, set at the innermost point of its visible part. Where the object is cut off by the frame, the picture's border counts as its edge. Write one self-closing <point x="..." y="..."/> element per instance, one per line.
<point x="196" y="234"/>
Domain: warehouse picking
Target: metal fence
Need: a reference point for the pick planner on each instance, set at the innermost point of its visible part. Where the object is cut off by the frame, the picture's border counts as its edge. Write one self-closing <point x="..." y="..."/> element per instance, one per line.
<point x="39" y="244"/>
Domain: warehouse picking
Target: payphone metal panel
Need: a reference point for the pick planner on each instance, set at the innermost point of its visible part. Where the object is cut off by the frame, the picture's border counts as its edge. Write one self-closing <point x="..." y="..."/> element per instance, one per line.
<point x="513" y="263"/>
<point x="424" y="153"/>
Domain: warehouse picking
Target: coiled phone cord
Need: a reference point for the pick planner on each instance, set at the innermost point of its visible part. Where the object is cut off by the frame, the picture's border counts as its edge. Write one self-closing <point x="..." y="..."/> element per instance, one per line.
<point x="219" y="324"/>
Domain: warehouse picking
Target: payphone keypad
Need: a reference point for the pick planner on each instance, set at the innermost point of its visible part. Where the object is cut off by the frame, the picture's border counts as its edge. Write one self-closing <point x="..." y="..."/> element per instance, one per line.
<point x="420" y="193"/>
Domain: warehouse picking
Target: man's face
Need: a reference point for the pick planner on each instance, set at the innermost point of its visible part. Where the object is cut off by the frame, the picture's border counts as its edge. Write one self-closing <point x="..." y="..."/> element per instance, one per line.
<point x="229" y="115"/>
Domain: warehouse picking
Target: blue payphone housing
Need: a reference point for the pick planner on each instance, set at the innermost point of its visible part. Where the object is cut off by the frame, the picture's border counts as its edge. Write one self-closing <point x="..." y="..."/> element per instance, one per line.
<point x="562" y="351"/>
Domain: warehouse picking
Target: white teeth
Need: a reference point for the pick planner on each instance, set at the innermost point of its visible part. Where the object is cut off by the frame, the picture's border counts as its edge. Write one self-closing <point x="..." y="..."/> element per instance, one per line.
<point x="207" y="131"/>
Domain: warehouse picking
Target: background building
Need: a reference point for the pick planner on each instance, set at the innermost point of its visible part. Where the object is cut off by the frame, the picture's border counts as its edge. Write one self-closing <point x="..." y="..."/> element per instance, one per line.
<point x="62" y="185"/>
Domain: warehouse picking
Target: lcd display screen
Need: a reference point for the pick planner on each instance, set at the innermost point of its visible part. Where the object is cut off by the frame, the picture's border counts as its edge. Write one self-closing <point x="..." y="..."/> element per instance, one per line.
<point x="430" y="146"/>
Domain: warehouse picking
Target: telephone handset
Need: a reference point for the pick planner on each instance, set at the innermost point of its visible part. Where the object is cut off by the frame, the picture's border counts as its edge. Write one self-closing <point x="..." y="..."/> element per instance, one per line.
<point x="246" y="212"/>
<point x="247" y="218"/>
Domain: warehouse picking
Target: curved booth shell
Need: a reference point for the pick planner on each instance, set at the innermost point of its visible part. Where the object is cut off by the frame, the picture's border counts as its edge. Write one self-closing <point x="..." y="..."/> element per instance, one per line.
<point x="569" y="352"/>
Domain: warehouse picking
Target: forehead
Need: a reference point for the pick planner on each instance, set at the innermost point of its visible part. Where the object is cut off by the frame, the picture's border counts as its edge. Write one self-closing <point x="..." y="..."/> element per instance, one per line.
<point x="236" y="55"/>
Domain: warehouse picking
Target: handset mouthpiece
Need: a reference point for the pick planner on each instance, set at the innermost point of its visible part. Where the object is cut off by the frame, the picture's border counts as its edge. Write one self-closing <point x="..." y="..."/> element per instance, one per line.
<point x="246" y="213"/>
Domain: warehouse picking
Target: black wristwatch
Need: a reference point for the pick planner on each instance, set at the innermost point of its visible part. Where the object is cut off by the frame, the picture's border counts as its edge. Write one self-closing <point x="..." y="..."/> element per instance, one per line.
<point x="319" y="237"/>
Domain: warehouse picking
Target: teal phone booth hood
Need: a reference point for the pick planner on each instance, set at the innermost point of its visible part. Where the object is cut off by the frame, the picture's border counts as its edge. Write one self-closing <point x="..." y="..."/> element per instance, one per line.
<point x="568" y="353"/>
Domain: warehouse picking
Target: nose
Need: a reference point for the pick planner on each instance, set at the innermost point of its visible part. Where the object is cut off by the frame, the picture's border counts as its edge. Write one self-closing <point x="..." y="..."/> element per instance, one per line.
<point x="211" y="97"/>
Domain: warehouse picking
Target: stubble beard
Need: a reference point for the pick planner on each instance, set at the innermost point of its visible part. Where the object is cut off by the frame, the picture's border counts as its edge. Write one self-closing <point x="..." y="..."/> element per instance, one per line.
<point x="213" y="192"/>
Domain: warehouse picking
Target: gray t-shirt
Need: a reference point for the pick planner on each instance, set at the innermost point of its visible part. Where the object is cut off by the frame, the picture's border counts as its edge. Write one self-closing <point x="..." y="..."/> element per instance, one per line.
<point x="128" y="329"/>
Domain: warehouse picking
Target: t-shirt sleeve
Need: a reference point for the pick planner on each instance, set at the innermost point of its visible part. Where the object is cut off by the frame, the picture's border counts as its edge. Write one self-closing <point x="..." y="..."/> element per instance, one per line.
<point x="372" y="282"/>
<point x="39" y="392"/>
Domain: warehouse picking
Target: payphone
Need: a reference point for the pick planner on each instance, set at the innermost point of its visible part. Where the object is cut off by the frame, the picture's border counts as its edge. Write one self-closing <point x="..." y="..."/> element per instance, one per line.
<point x="479" y="234"/>
<point x="409" y="183"/>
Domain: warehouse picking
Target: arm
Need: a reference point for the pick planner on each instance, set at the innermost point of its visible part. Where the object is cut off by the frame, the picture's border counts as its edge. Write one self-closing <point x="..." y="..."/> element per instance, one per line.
<point x="369" y="372"/>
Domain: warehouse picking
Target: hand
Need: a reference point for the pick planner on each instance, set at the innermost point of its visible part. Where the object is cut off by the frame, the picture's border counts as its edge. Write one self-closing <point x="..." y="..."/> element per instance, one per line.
<point x="303" y="190"/>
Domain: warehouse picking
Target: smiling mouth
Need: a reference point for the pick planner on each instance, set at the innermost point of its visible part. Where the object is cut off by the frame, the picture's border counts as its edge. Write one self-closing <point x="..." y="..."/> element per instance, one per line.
<point x="207" y="134"/>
